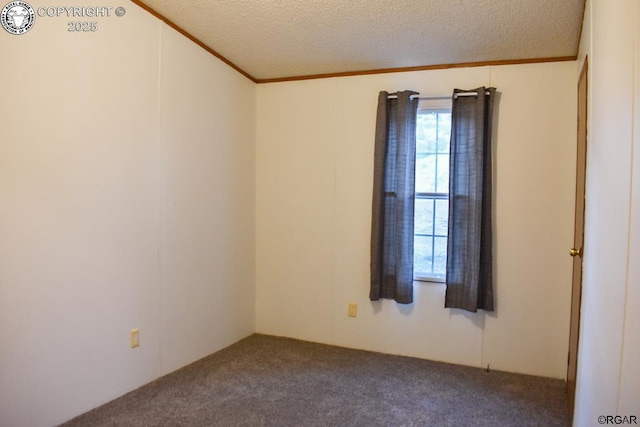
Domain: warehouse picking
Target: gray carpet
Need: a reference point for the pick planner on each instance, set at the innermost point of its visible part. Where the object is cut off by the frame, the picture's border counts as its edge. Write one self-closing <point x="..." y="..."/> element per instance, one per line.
<point x="269" y="381"/>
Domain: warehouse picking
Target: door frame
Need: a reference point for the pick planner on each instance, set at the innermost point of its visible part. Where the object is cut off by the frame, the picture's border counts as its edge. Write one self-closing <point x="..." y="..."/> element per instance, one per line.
<point x="578" y="239"/>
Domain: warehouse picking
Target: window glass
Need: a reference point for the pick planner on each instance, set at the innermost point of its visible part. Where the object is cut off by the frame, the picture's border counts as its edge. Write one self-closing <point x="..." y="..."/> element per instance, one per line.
<point x="432" y="186"/>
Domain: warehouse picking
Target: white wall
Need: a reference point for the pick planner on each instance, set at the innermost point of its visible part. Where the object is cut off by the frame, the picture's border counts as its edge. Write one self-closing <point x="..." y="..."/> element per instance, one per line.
<point x="313" y="207"/>
<point x="629" y="402"/>
<point x="608" y="381"/>
<point x="126" y="201"/>
<point x="207" y="203"/>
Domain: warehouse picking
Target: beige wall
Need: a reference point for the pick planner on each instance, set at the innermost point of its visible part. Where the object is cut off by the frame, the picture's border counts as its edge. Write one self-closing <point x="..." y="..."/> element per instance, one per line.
<point x="126" y="201"/>
<point x="608" y="381"/>
<point x="313" y="201"/>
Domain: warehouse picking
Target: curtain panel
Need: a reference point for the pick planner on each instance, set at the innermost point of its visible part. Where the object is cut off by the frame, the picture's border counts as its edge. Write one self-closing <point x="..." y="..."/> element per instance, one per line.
<point x="393" y="198"/>
<point x="469" y="275"/>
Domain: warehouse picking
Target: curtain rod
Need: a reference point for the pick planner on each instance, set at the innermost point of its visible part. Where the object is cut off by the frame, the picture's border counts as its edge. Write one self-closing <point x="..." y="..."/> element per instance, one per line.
<point x="444" y="96"/>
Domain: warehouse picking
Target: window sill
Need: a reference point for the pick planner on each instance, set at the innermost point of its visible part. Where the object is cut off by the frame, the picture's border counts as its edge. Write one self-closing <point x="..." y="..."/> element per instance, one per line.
<point x="430" y="279"/>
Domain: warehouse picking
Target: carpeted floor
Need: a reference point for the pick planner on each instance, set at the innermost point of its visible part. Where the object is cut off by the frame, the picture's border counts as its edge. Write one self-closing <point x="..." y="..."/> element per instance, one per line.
<point x="269" y="381"/>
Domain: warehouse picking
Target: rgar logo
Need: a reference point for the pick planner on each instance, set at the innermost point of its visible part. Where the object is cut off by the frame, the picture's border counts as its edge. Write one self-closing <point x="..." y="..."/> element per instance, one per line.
<point x="17" y="17"/>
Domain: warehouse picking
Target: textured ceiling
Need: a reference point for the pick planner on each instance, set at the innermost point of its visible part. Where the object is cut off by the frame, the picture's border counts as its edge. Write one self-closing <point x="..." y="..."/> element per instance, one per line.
<point x="285" y="38"/>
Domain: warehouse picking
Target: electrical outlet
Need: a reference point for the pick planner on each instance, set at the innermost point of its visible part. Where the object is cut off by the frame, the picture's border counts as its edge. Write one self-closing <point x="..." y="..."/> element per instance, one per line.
<point x="353" y="310"/>
<point x="134" y="337"/>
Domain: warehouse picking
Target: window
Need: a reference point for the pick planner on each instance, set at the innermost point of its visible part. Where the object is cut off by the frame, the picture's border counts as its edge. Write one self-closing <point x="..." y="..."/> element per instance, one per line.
<point x="433" y="132"/>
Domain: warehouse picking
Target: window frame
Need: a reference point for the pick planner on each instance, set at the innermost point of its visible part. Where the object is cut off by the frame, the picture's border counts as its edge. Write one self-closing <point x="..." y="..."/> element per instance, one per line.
<point x="431" y="105"/>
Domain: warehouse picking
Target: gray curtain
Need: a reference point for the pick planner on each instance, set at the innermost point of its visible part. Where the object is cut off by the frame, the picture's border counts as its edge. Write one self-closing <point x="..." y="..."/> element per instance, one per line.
<point x="393" y="198"/>
<point x="469" y="251"/>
